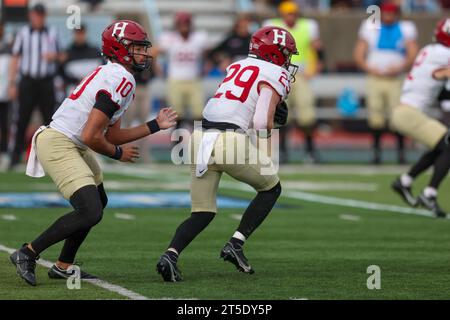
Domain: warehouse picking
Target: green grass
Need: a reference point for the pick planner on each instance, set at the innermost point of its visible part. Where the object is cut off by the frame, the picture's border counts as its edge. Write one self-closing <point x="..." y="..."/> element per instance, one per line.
<point x="303" y="249"/>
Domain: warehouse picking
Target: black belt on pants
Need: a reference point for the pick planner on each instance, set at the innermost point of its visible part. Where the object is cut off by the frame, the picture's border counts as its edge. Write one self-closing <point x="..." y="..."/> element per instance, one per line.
<point x="222" y="126"/>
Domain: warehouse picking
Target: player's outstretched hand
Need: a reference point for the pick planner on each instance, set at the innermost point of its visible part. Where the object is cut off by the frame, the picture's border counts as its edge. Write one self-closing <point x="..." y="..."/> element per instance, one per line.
<point x="167" y="117"/>
<point x="129" y="153"/>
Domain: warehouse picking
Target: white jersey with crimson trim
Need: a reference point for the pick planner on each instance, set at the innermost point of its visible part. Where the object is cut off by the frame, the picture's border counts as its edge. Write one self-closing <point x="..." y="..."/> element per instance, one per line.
<point x="112" y="78"/>
<point x="235" y="99"/>
<point x="421" y="89"/>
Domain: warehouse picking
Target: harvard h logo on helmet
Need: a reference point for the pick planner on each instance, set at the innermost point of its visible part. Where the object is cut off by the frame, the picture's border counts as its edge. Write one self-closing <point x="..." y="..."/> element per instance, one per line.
<point x="275" y="45"/>
<point x="119" y="27"/>
<point x="120" y="39"/>
<point x="279" y="37"/>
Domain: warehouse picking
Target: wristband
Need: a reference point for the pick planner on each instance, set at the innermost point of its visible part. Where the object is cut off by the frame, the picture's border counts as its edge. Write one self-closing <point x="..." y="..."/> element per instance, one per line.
<point x="153" y="126"/>
<point x="118" y="154"/>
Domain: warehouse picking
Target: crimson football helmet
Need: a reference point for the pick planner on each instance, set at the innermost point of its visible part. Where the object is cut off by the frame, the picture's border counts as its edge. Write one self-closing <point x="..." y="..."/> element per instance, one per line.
<point x="275" y="45"/>
<point x="442" y="32"/>
<point x="183" y="17"/>
<point x="120" y="39"/>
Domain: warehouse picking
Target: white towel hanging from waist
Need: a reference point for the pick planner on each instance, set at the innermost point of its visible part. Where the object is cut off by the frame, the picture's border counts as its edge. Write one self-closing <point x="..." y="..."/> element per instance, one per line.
<point x="34" y="167"/>
<point x="204" y="152"/>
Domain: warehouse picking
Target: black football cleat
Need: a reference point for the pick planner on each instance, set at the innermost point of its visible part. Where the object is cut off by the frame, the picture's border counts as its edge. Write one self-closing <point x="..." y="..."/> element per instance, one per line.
<point x="25" y="266"/>
<point x="168" y="269"/>
<point x="236" y="257"/>
<point x="431" y="204"/>
<point x="57" y="273"/>
<point x="404" y="192"/>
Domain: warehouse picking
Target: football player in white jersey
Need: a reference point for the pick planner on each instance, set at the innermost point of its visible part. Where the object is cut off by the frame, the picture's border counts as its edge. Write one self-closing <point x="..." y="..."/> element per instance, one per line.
<point x="184" y="49"/>
<point x="421" y="88"/>
<point x="250" y="97"/>
<point x="89" y="119"/>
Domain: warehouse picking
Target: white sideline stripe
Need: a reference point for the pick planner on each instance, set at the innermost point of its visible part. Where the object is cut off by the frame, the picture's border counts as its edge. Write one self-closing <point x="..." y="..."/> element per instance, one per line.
<point x="9" y="217"/>
<point x="355" y="203"/>
<point x="349" y="217"/>
<point x="124" y="216"/>
<point x="236" y="216"/>
<point x="306" y="196"/>
<point x="97" y="282"/>
<point x="329" y="186"/>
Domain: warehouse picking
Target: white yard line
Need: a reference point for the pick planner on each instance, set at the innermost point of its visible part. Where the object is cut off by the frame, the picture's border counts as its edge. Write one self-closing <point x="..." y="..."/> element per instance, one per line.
<point x="354" y="203"/>
<point x="363" y="169"/>
<point x="124" y="216"/>
<point x="9" y="217"/>
<point x="311" y="197"/>
<point x="305" y="185"/>
<point x="349" y="217"/>
<point x="97" y="282"/>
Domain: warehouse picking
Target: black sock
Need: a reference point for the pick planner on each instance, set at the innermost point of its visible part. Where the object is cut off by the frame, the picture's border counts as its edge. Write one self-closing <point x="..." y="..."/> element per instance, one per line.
<point x="237" y="243"/>
<point x="190" y="228"/>
<point x="172" y="256"/>
<point x="88" y="212"/>
<point x="28" y="251"/>
<point x="258" y="210"/>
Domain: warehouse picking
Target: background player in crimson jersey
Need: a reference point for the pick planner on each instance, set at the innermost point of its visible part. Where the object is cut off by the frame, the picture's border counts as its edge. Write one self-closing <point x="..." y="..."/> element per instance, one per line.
<point x="89" y="119"/>
<point x="421" y="89"/>
<point x="247" y="99"/>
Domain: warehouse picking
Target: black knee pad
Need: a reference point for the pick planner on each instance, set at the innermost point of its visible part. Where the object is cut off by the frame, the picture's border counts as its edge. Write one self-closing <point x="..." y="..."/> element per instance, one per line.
<point x="272" y="193"/>
<point x="87" y="203"/>
<point x="203" y="217"/>
<point x="103" y="196"/>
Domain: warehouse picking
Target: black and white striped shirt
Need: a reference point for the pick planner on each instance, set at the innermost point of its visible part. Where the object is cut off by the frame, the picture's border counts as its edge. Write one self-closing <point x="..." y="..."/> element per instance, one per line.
<point x="31" y="45"/>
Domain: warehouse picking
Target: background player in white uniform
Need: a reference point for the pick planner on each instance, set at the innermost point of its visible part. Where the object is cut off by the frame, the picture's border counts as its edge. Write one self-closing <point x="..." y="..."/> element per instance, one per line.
<point x="89" y="119"/>
<point x="248" y="98"/>
<point x="385" y="53"/>
<point x="185" y="50"/>
<point x="421" y="88"/>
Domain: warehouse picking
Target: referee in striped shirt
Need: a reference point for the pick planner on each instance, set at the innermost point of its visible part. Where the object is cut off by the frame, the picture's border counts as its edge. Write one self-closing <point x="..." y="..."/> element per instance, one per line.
<point x="33" y="67"/>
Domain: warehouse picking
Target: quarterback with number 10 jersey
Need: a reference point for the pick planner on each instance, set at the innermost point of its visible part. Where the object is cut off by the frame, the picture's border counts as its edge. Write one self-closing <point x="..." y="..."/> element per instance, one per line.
<point x="112" y="79"/>
<point x="235" y="99"/>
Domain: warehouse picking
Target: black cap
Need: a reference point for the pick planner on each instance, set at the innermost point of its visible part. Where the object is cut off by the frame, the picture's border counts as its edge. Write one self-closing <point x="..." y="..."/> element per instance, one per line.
<point x="39" y="8"/>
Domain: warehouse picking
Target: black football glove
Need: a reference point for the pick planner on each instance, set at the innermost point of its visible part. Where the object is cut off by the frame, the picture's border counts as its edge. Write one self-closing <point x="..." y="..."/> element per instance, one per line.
<point x="281" y="115"/>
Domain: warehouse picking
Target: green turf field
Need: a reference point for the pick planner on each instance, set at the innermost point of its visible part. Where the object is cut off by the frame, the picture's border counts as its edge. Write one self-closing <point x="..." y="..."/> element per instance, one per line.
<point x="305" y="249"/>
